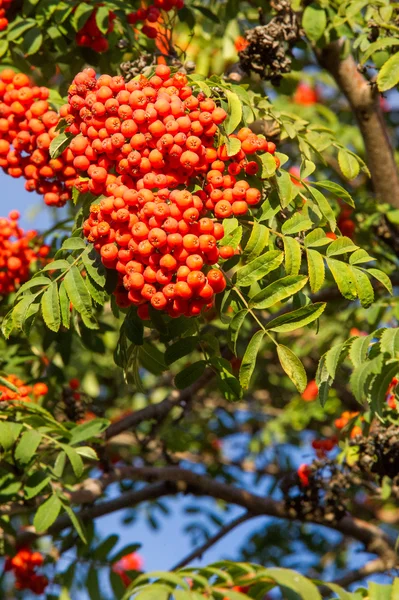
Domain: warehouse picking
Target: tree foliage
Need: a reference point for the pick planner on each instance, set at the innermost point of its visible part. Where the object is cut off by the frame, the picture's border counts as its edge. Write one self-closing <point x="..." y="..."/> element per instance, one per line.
<point x="275" y="390"/>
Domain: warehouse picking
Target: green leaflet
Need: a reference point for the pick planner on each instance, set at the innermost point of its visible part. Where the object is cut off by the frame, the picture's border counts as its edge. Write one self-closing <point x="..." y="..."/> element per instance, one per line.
<point x="382" y="278"/>
<point x="249" y="359"/>
<point x="59" y="144"/>
<point x="390" y="342"/>
<point x="340" y="246"/>
<point x="292" y="366"/>
<point x="257" y="241"/>
<point x="302" y="586"/>
<point x="316" y="269"/>
<point x="335" y="356"/>
<point x="285" y="188"/>
<point x="348" y="164"/>
<point x="335" y="189"/>
<point x="51" y="307"/>
<point x="64" y="306"/>
<point x="364" y="288"/>
<point x="379" y="44"/>
<point x="268" y="165"/>
<point x="297" y="318"/>
<point x="189" y="375"/>
<point x="78" y="293"/>
<point x="94" y="267"/>
<point x="9" y="433"/>
<point x="362" y="374"/>
<point x="314" y="22"/>
<point x="344" y="278"/>
<point x="298" y="222"/>
<point x="278" y="290"/>
<point x="293" y="255"/>
<point x="316" y="238"/>
<point x="27" y="446"/>
<point x="47" y="514"/>
<point x="258" y="268"/>
<point x="324" y="206"/>
<point x="74" y="459"/>
<point x="234" y="112"/>
<point x="359" y="349"/>
<point x="181" y="348"/>
<point x="388" y="75"/>
<point x="360" y="256"/>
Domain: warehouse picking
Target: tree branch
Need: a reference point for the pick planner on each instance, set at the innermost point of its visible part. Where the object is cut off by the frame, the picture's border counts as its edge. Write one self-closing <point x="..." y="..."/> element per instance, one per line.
<point x="363" y="98"/>
<point x="160" y="411"/>
<point x="127" y="500"/>
<point x="212" y="541"/>
<point x="374" y="539"/>
<point x="175" y="480"/>
<point x="374" y="566"/>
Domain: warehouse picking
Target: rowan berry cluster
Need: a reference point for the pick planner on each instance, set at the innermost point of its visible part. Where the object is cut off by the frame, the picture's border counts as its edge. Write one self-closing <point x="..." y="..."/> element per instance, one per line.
<point x="4" y="5"/>
<point x="130" y="562"/>
<point x="159" y="137"/>
<point x="27" y="126"/>
<point x="90" y="35"/>
<point x="152" y="14"/>
<point x="16" y="253"/>
<point x="24" y="565"/>
<point x="24" y="391"/>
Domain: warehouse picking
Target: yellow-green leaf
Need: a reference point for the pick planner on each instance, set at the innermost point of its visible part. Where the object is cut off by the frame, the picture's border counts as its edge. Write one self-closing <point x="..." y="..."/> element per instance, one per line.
<point x="293" y="256"/>
<point x="348" y="164"/>
<point x="278" y="290"/>
<point x="297" y="318"/>
<point x="316" y="269"/>
<point x="388" y="76"/>
<point x="292" y="366"/>
<point x="249" y="359"/>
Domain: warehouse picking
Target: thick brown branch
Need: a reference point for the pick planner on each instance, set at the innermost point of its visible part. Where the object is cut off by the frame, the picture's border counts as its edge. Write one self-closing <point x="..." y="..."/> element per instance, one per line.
<point x="364" y="100"/>
<point x="175" y="479"/>
<point x="375" y="540"/>
<point x="127" y="500"/>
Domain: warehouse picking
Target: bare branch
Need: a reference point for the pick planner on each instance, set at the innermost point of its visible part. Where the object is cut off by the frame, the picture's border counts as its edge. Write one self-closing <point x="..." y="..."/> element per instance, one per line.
<point x="374" y="566"/>
<point x="212" y="541"/>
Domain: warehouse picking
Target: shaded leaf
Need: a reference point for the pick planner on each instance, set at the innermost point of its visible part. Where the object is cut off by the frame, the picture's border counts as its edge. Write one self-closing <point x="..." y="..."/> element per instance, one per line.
<point x="47" y="514"/>
<point x="249" y="359"/>
<point x="189" y="375"/>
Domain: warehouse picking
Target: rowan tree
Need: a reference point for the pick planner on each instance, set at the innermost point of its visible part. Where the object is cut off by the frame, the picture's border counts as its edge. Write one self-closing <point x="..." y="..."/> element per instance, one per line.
<point x="213" y="314"/>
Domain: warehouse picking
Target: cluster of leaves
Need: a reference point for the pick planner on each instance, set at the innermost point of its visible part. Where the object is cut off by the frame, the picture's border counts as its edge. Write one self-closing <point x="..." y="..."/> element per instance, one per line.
<point x="375" y="361"/>
<point x="223" y="580"/>
<point x="41" y="457"/>
<point x="367" y="26"/>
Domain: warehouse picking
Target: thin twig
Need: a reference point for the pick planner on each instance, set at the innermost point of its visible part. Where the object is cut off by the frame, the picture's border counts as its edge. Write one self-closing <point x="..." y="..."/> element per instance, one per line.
<point x="213" y="540"/>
